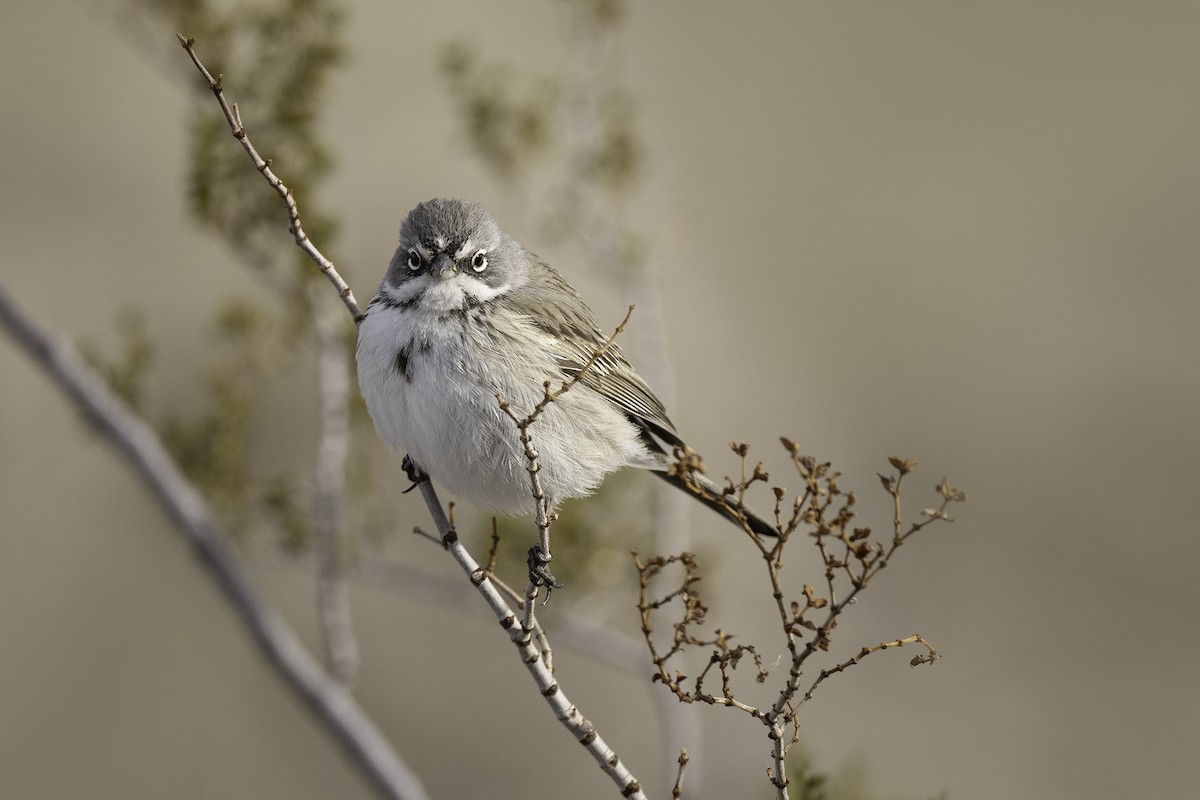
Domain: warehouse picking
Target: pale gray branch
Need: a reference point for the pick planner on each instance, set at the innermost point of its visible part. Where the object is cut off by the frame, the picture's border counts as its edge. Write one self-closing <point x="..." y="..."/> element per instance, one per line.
<point x="332" y="704"/>
<point x="564" y="710"/>
<point x="333" y="602"/>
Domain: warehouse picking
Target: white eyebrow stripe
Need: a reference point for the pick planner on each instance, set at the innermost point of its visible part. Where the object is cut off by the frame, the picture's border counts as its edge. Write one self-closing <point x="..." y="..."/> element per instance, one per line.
<point x="467" y="247"/>
<point x="440" y="242"/>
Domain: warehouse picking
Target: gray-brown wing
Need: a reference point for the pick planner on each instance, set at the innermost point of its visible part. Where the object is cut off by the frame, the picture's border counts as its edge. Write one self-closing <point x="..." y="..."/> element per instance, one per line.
<point x="559" y="311"/>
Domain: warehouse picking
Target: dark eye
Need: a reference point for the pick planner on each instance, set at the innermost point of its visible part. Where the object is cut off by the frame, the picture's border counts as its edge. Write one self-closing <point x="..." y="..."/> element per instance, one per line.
<point x="414" y="260"/>
<point x="479" y="260"/>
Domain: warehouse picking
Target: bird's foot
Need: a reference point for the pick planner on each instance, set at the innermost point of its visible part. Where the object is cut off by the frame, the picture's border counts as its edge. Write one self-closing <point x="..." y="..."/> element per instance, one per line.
<point x="539" y="571"/>
<point x="414" y="473"/>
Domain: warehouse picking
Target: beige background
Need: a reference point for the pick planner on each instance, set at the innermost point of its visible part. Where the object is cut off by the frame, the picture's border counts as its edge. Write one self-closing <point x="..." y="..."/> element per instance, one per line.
<point x="959" y="232"/>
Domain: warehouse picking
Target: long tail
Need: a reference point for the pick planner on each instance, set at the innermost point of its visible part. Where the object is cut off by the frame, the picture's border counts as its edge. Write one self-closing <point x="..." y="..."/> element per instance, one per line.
<point x="707" y="492"/>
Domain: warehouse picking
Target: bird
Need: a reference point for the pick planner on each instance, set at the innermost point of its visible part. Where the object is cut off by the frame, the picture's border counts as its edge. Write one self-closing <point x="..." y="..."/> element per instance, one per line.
<point x="465" y="317"/>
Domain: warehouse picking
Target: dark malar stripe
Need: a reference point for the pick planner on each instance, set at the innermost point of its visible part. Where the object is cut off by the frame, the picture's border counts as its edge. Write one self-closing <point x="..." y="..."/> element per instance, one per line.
<point x="386" y="301"/>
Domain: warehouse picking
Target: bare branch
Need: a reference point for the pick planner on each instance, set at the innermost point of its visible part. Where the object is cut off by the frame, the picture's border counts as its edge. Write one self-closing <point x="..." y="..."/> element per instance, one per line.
<point x="850" y="555"/>
<point x="677" y="789"/>
<point x="332" y="704"/>
<point x="926" y="658"/>
<point x="566" y="386"/>
<point x="564" y="710"/>
<point x="238" y="130"/>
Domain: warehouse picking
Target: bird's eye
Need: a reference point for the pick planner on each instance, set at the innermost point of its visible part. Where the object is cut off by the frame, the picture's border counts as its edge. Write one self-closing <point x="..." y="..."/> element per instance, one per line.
<point x="414" y="260"/>
<point x="479" y="260"/>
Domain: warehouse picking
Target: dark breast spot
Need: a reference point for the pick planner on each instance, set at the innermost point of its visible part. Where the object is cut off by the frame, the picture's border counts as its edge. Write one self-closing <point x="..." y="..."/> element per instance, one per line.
<point x="402" y="363"/>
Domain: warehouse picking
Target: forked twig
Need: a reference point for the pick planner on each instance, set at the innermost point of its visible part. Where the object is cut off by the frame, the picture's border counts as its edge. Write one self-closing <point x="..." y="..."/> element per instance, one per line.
<point x="851" y="557"/>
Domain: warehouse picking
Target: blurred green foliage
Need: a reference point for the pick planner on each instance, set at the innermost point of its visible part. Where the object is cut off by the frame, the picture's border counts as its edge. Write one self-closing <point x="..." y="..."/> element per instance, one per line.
<point x="125" y="372"/>
<point x="507" y="128"/>
<point x="275" y="59"/>
<point x="514" y="123"/>
<point x="213" y="445"/>
<point x="807" y="783"/>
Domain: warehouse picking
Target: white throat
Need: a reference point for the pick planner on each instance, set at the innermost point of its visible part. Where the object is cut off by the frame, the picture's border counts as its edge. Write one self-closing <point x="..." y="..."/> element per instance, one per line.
<point x="440" y="295"/>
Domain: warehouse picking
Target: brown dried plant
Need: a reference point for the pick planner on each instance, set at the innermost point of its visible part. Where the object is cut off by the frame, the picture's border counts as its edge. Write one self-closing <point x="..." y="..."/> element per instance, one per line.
<point x="851" y="557"/>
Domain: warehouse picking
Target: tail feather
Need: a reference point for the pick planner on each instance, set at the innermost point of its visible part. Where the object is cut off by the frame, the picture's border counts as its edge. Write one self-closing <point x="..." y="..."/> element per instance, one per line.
<point x="709" y="493"/>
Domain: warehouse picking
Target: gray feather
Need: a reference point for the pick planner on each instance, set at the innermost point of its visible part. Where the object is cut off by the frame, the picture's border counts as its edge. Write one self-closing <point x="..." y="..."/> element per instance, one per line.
<point x="557" y="310"/>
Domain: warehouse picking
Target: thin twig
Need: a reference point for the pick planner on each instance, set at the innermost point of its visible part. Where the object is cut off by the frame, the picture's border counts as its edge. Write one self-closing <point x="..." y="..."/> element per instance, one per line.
<point x="927" y="658"/>
<point x="778" y="771"/>
<point x="543" y="517"/>
<point x="234" y="118"/>
<point x="849" y="554"/>
<point x="333" y="705"/>
<point x="677" y="789"/>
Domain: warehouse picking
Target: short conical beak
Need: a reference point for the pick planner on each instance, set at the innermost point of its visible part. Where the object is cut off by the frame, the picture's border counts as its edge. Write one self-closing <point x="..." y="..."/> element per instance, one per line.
<point x="443" y="267"/>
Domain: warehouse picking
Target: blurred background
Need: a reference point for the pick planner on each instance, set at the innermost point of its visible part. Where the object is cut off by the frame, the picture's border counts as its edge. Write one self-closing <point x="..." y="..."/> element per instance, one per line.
<point x="958" y="233"/>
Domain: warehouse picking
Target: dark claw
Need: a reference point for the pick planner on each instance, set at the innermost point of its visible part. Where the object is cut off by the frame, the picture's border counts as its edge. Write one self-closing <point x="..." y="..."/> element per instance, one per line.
<point x="539" y="571"/>
<point x="414" y="473"/>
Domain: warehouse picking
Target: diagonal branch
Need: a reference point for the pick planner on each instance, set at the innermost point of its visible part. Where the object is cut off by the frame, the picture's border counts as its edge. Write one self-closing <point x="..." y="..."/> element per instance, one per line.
<point x="566" y="711"/>
<point x="333" y="705"/>
<point x="234" y="118"/>
<point x="928" y="657"/>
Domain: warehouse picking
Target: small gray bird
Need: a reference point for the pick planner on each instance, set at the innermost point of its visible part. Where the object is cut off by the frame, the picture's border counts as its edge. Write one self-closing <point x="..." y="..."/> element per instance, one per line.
<point x="465" y="313"/>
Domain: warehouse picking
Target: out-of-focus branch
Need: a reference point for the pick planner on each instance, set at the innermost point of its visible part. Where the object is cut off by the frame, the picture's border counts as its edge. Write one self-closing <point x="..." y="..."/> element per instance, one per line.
<point x="333" y="705"/>
<point x="592" y="86"/>
<point x="333" y="604"/>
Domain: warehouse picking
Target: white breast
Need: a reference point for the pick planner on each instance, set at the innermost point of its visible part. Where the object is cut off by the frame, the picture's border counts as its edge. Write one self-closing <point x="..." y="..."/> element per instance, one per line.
<point x="445" y="414"/>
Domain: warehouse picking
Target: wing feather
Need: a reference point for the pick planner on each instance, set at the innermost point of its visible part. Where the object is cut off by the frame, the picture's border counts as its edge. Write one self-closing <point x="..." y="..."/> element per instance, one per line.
<point x="558" y="311"/>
